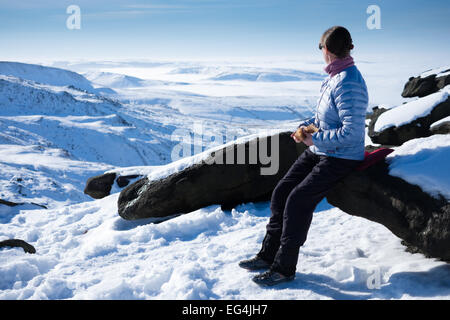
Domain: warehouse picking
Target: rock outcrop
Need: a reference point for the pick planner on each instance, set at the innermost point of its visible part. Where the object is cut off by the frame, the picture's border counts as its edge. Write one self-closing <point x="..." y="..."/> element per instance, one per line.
<point x="204" y="184"/>
<point x="423" y="222"/>
<point x="421" y="87"/>
<point x="418" y="128"/>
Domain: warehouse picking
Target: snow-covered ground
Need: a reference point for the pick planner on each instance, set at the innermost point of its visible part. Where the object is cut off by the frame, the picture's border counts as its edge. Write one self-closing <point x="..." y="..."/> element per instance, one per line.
<point x="122" y="116"/>
<point x="86" y="251"/>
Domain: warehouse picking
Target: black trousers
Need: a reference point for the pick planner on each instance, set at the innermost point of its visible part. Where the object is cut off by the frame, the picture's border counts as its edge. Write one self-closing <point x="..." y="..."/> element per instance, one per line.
<point x="292" y="205"/>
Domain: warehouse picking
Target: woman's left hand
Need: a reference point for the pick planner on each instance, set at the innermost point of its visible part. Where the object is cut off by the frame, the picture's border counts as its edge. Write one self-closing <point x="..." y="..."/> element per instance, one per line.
<point x="308" y="138"/>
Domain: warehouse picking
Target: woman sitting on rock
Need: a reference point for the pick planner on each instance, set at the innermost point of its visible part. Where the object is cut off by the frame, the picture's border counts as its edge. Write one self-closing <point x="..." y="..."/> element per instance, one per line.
<point x="334" y="151"/>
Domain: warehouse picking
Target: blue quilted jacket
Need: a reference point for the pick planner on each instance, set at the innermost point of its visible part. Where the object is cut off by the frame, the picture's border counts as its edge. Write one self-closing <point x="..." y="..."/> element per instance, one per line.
<point x="340" y="116"/>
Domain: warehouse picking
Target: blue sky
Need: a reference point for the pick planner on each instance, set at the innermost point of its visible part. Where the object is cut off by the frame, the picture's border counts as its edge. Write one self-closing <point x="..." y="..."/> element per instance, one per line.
<point x="110" y="29"/>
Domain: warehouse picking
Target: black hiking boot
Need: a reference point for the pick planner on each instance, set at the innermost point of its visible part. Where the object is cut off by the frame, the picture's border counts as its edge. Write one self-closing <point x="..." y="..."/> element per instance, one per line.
<point x="271" y="278"/>
<point x="255" y="263"/>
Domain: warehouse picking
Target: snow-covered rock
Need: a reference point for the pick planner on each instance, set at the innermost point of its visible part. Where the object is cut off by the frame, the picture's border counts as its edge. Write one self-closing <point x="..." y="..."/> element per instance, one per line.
<point x="424" y="162"/>
<point x="441" y="126"/>
<point x="410" y="120"/>
<point x="214" y="180"/>
<point x="427" y="82"/>
<point x="403" y="195"/>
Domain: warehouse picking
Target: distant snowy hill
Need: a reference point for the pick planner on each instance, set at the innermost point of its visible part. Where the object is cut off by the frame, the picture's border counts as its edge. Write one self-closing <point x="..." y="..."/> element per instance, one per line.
<point x="114" y="80"/>
<point x="45" y="75"/>
<point x="271" y="75"/>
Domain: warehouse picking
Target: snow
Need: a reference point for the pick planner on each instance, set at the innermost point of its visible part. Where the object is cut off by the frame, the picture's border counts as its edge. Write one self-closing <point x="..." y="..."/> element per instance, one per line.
<point x="424" y="162"/>
<point x="410" y="111"/>
<point x="86" y="251"/>
<point x="443" y="120"/>
<point x="45" y="75"/>
<point x="116" y="80"/>
<point x="54" y="137"/>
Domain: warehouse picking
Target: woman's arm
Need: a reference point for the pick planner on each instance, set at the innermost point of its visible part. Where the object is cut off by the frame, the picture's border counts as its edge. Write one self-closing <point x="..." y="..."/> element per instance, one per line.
<point x="307" y="122"/>
<point x="351" y="100"/>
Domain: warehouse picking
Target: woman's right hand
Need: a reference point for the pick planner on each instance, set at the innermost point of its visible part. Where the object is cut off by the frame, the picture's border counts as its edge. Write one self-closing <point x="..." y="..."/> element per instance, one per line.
<point x="295" y="137"/>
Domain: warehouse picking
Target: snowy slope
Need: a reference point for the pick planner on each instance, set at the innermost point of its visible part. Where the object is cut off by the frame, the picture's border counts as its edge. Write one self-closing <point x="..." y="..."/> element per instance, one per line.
<point x="87" y="126"/>
<point x="45" y="75"/>
<point x="81" y="134"/>
<point x="116" y="80"/>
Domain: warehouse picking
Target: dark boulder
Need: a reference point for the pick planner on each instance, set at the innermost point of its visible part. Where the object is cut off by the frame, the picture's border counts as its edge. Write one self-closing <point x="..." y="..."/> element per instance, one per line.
<point x="423" y="222"/>
<point x="204" y="184"/>
<point x="28" y="248"/>
<point x="123" y="181"/>
<point x="415" y="129"/>
<point x="421" y="87"/>
<point x="100" y="186"/>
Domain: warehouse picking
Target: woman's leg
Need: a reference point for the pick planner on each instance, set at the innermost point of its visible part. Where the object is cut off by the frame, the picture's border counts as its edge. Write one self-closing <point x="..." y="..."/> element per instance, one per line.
<point x="296" y="173"/>
<point x="300" y="205"/>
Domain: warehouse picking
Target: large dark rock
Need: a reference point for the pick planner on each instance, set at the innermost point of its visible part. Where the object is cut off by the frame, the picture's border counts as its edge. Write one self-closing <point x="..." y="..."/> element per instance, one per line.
<point x="205" y="184"/>
<point x="420" y="87"/>
<point x="423" y="222"/>
<point x="415" y="129"/>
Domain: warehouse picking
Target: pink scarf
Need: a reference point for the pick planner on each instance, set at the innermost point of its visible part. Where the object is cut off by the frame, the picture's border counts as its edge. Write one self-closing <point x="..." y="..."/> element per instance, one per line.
<point x="338" y="65"/>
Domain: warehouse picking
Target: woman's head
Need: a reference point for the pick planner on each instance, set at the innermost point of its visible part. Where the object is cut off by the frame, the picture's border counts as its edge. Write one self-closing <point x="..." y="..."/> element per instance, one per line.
<point x="336" y="42"/>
